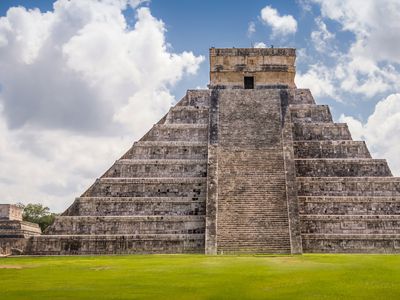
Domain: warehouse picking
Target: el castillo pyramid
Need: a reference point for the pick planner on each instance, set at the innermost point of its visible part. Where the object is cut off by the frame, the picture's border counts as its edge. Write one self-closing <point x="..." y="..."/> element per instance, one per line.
<point x="250" y="165"/>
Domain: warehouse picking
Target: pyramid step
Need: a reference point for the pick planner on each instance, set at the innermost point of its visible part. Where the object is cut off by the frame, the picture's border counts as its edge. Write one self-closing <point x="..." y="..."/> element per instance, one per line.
<point x="148" y="187"/>
<point x="306" y="113"/>
<point x="321" y="131"/>
<point x="115" y="244"/>
<point x="350" y="224"/>
<point x="348" y="186"/>
<point x="351" y="205"/>
<point x="339" y="167"/>
<point x="351" y="243"/>
<point x="330" y="149"/>
<point x="302" y="96"/>
<point x="167" y="150"/>
<point x="253" y="249"/>
<point x="158" y="168"/>
<point x="9" y="228"/>
<point x="266" y="244"/>
<point x="198" y="98"/>
<point x="130" y="206"/>
<point x="187" y="115"/>
<point x="127" y="225"/>
<point x="177" y="132"/>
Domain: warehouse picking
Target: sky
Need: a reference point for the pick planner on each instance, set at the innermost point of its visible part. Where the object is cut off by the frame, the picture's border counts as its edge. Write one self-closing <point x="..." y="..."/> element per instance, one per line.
<point x="81" y="80"/>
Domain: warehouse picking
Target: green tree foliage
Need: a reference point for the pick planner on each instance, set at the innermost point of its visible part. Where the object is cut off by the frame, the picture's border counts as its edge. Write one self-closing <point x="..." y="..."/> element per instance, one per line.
<point x="39" y="214"/>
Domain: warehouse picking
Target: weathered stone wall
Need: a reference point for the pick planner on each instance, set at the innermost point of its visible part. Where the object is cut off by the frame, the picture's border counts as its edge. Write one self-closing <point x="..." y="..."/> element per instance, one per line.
<point x="348" y="202"/>
<point x="10" y="212"/>
<point x="116" y="244"/>
<point x="268" y="66"/>
<point x="12" y="245"/>
<point x="14" y="234"/>
<point x="289" y="97"/>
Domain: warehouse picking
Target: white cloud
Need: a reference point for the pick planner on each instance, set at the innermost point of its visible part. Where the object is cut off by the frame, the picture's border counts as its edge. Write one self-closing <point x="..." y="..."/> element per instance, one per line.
<point x="251" y="29"/>
<point x="305" y="5"/>
<point x="355" y="126"/>
<point x="77" y="87"/>
<point x="260" y="45"/>
<point x="281" y="25"/>
<point x="321" y="37"/>
<point x="136" y="3"/>
<point x="368" y="66"/>
<point x="318" y="79"/>
<point x="381" y="131"/>
<point x="374" y="23"/>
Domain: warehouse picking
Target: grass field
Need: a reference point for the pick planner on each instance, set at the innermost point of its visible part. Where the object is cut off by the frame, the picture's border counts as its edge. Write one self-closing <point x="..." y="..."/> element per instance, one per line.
<point x="201" y="277"/>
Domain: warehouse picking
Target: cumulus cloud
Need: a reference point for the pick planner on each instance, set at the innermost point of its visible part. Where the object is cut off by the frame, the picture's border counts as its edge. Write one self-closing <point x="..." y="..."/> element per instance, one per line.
<point x="381" y="131"/>
<point x="280" y="25"/>
<point x="368" y="66"/>
<point x="251" y="29"/>
<point x="375" y="24"/>
<point x="321" y="37"/>
<point x="355" y="126"/>
<point x="77" y="86"/>
<point x="318" y="79"/>
<point x="81" y="67"/>
<point x="260" y="45"/>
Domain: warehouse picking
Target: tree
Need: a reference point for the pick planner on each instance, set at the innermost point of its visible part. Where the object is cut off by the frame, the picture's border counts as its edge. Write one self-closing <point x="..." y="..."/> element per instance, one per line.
<point x="39" y="214"/>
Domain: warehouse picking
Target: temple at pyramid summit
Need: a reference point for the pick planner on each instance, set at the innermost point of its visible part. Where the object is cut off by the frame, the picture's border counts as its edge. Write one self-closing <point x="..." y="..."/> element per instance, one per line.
<point x="250" y="165"/>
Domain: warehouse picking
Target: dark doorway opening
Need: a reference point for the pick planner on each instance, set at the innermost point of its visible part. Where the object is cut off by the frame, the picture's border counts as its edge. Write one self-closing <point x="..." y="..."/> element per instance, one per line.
<point x="249" y="82"/>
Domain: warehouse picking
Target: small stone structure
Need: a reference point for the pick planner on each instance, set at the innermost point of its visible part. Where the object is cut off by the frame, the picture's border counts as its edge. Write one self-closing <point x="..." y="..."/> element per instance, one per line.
<point x="250" y="165"/>
<point x="267" y="67"/>
<point x="14" y="232"/>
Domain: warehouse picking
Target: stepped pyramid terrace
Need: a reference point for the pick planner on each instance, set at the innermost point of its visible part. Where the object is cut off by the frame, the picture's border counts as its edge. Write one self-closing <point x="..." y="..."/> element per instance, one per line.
<point x="250" y="165"/>
<point x="14" y="233"/>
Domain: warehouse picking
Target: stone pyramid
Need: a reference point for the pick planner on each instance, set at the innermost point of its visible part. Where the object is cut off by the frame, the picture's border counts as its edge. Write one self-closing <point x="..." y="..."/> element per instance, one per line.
<point x="250" y="165"/>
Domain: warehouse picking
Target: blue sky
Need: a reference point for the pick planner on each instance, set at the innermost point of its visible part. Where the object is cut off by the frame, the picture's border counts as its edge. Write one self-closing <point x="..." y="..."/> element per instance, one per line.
<point x="96" y="74"/>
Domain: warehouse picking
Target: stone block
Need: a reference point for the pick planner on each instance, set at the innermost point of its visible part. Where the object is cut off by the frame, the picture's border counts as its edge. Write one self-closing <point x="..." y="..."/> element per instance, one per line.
<point x="349" y="205"/>
<point x="338" y="167"/>
<point x="116" y="244"/>
<point x="321" y="131"/>
<point x="306" y="113"/>
<point x="109" y="225"/>
<point x="187" y="115"/>
<point x="157" y="168"/>
<point x="331" y="149"/>
<point x="177" y="132"/>
<point x="167" y="150"/>
<point x="136" y="206"/>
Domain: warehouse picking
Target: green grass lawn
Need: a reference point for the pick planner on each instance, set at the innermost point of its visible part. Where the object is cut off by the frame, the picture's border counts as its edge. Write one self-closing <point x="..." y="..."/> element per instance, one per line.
<point x="201" y="277"/>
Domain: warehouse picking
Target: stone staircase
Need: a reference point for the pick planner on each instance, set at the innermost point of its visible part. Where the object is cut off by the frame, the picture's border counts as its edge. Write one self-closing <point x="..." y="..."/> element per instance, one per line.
<point x="252" y="208"/>
<point x="348" y="202"/>
<point x="152" y="200"/>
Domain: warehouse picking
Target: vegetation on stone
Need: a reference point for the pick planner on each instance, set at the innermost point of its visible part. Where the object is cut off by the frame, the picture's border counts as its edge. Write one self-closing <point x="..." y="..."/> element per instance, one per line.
<point x="38" y="214"/>
<point x="194" y="277"/>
